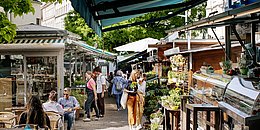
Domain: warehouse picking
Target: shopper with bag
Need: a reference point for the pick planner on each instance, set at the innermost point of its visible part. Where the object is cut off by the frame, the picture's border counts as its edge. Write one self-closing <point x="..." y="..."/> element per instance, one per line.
<point x="119" y="84"/>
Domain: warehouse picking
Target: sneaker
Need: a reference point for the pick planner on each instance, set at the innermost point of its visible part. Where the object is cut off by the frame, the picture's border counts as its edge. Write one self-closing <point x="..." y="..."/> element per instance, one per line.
<point x="138" y="127"/>
<point x="101" y="115"/>
<point x="96" y="119"/>
<point x="118" y="109"/>
<point x="86" y="119"/>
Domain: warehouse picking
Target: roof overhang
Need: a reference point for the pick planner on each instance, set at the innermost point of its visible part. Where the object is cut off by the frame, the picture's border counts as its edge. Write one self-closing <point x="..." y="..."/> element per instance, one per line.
<point x="101" y="13"/>
<point x="234" y="16"/>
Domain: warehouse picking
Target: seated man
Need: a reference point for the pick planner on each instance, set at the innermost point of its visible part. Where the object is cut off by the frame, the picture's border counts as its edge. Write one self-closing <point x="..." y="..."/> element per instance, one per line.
<point x="52" y="105"/>
<point x="69" y="104"/>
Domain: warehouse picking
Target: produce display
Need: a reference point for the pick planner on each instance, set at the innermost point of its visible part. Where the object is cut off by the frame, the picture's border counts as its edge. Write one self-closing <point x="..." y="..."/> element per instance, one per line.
<point x="156" y="119"/>
<point x="173" y="100"/>
<point x="179" y="69"/>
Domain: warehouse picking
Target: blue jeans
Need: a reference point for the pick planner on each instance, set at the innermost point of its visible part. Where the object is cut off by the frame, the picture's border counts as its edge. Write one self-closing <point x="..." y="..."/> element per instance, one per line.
<point x="88" y="103"/>
<point x="70" y="117"/>
<point x="118" y="98"/>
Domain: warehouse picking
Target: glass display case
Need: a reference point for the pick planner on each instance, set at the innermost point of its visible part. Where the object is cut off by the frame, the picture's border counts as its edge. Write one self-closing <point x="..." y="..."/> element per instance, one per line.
<point x="242" y="95"/>
<point x="209" y="85"/>
<point x="241" y="102"/>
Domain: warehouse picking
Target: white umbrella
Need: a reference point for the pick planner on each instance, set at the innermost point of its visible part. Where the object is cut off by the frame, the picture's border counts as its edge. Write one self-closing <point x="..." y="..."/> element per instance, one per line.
<point x="137" y="46"/>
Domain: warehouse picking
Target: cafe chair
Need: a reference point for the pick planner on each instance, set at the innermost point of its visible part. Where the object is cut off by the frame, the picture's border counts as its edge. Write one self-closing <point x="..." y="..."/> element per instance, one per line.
<point x="56" y="120"/>
<point x="10" y="120"/>
<point x="2" y="125"/>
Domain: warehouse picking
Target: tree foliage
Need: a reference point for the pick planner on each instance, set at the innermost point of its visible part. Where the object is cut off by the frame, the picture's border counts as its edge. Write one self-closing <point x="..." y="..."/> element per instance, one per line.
<point x="16" y="7"/>
<point x="112" y="39"/>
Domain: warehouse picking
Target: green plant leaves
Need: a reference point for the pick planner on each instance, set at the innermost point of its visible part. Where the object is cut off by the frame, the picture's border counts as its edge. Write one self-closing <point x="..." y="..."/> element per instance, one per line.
<point x="7" y="29"/>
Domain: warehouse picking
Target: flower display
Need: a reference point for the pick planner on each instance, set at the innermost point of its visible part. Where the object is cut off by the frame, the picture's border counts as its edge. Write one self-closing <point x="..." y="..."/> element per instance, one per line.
<point x="172" y="101"/>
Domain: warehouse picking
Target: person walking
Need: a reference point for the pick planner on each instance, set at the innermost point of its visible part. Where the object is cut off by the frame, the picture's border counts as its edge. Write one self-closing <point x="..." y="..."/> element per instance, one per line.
<point x="92" y="97"/>
<point x="101" y="86"/>
<point x="69" y="104"/>
<point x="117" y="89"/>
<point x="131" y="89"/>
<point x="109" y="79"/>
<point x="34" y="114"/>
<point x="140" y="99"/>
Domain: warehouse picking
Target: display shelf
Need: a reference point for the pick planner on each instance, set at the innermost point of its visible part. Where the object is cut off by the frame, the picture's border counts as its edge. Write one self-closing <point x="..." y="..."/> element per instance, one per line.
<point x="211" y="80"/>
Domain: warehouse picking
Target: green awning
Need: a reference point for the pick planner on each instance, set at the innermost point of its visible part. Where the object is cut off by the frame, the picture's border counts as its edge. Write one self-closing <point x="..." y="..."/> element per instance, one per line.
<point x="99" y="52"/>
<point x="101" y="13"/>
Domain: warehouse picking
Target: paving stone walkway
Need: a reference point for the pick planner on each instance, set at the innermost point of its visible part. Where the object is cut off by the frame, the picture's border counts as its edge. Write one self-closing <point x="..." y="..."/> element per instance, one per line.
<point x="113" y="119"/>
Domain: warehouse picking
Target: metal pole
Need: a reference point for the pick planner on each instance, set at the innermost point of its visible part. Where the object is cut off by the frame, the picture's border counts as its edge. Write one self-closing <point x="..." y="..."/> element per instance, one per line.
<point x="227" y="43"/>
<point x="70" y="69"/>
<point x="253" y="30"/>
<point x="25" y="78"/>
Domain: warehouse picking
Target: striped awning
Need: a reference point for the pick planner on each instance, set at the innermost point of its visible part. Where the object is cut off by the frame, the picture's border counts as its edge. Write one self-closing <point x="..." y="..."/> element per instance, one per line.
<point x="33" y="41"/>
<point x="97" y="52"/>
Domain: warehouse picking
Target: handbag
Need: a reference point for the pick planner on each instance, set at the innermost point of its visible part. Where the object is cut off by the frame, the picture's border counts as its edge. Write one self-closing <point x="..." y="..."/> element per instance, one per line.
<point x="124" y="99"/>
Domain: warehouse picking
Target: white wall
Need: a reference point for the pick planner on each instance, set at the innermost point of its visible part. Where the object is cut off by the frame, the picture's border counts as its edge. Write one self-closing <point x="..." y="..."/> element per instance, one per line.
<point x="54" y="14"/>
<point x="220" y="6"/>
<point x="28" y="18"/>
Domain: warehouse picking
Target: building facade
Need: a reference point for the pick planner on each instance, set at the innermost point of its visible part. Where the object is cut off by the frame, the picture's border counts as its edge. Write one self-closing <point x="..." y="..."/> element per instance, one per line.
<point x="215" y="7"/>
<point x="53" y="14"/>
<point x="34" y="18"/>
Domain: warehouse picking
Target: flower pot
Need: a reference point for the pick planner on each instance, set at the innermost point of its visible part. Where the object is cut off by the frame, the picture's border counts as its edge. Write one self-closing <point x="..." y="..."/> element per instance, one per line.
<point x="243" y="71"/>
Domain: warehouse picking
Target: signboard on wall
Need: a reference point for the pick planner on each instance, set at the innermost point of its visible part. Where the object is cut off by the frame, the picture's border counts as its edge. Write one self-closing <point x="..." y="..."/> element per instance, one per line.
<point x="238" y="3"/>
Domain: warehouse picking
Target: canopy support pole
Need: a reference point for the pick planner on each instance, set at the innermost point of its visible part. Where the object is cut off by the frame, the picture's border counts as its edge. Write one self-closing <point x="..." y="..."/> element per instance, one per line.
<point x="219" y="42"/>
<point x="233" y="27"/>
<point x="227" y="43"/>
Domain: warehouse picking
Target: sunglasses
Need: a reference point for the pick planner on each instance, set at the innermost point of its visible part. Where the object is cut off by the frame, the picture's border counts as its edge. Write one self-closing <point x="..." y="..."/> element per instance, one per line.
<point x="65" y="94"/>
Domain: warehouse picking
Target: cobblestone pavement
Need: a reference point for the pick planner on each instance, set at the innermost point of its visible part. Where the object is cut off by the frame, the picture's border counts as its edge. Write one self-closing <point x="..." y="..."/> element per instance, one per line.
<point x="113" y="119"/>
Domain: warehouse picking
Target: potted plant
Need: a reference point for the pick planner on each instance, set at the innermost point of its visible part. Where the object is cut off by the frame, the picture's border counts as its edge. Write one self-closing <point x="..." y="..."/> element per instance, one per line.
<point x="226" y="65"/>
<point x="243" y="65"/>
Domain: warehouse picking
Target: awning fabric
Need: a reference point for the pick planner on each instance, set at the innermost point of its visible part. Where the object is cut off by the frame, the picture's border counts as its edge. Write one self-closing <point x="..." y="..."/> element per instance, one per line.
<point x="101" y="13"/>
<point x="137" y="46"/>
<point x="132" y="57"/>
<point x="99" y="52"/>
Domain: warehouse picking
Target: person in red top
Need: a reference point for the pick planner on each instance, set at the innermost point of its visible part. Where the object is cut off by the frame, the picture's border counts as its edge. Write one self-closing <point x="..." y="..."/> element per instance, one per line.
<point x="92" y="96"/>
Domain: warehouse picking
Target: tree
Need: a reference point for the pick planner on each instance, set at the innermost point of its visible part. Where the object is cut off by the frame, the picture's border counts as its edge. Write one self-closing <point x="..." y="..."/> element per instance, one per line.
<point x="17" y="7"/>
<point x="77" y="25"/>
<point x="112" y="39"/>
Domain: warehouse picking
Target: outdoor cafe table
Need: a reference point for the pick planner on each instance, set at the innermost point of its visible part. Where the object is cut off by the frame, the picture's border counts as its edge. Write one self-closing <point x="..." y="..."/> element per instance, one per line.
<point x="7" y="117"/>
<point x="15" y="108"/>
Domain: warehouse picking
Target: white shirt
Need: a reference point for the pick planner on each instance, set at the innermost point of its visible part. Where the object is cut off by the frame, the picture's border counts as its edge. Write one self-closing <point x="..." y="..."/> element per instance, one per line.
<point x="53" y="106"/>
<point x="142" y="87"/>
<point x="100" y="81"/>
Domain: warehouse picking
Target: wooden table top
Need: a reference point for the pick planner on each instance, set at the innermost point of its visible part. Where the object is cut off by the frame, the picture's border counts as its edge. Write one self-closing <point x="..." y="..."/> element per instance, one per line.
<point x="7" y="117"/>
<point x="15" y="108"/>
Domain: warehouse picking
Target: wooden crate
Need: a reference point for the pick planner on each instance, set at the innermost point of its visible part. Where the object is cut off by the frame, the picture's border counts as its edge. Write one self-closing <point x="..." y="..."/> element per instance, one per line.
<point x="5" y="93"/>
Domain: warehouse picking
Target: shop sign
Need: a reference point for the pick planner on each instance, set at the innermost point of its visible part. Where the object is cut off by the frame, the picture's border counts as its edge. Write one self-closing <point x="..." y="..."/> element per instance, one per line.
<point x="238" y="3"/>
<point x="172" y="51"/>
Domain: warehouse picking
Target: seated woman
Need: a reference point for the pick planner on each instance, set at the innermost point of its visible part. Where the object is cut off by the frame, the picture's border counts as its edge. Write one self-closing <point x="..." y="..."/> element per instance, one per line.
<point x="34" y="114"/>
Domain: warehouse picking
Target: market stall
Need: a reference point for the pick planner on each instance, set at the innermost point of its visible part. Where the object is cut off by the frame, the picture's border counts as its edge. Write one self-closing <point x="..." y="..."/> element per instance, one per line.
<point x="231" y="91"/>
<point x="32" y="64"/>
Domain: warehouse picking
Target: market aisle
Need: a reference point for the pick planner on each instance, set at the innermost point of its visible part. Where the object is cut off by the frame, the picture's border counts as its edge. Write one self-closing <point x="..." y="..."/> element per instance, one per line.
<point x="113" y="119"/>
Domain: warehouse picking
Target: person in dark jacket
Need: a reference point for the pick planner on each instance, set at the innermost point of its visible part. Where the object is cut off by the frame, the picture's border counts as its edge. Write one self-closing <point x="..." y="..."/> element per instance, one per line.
<point x="35" y="114"/>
